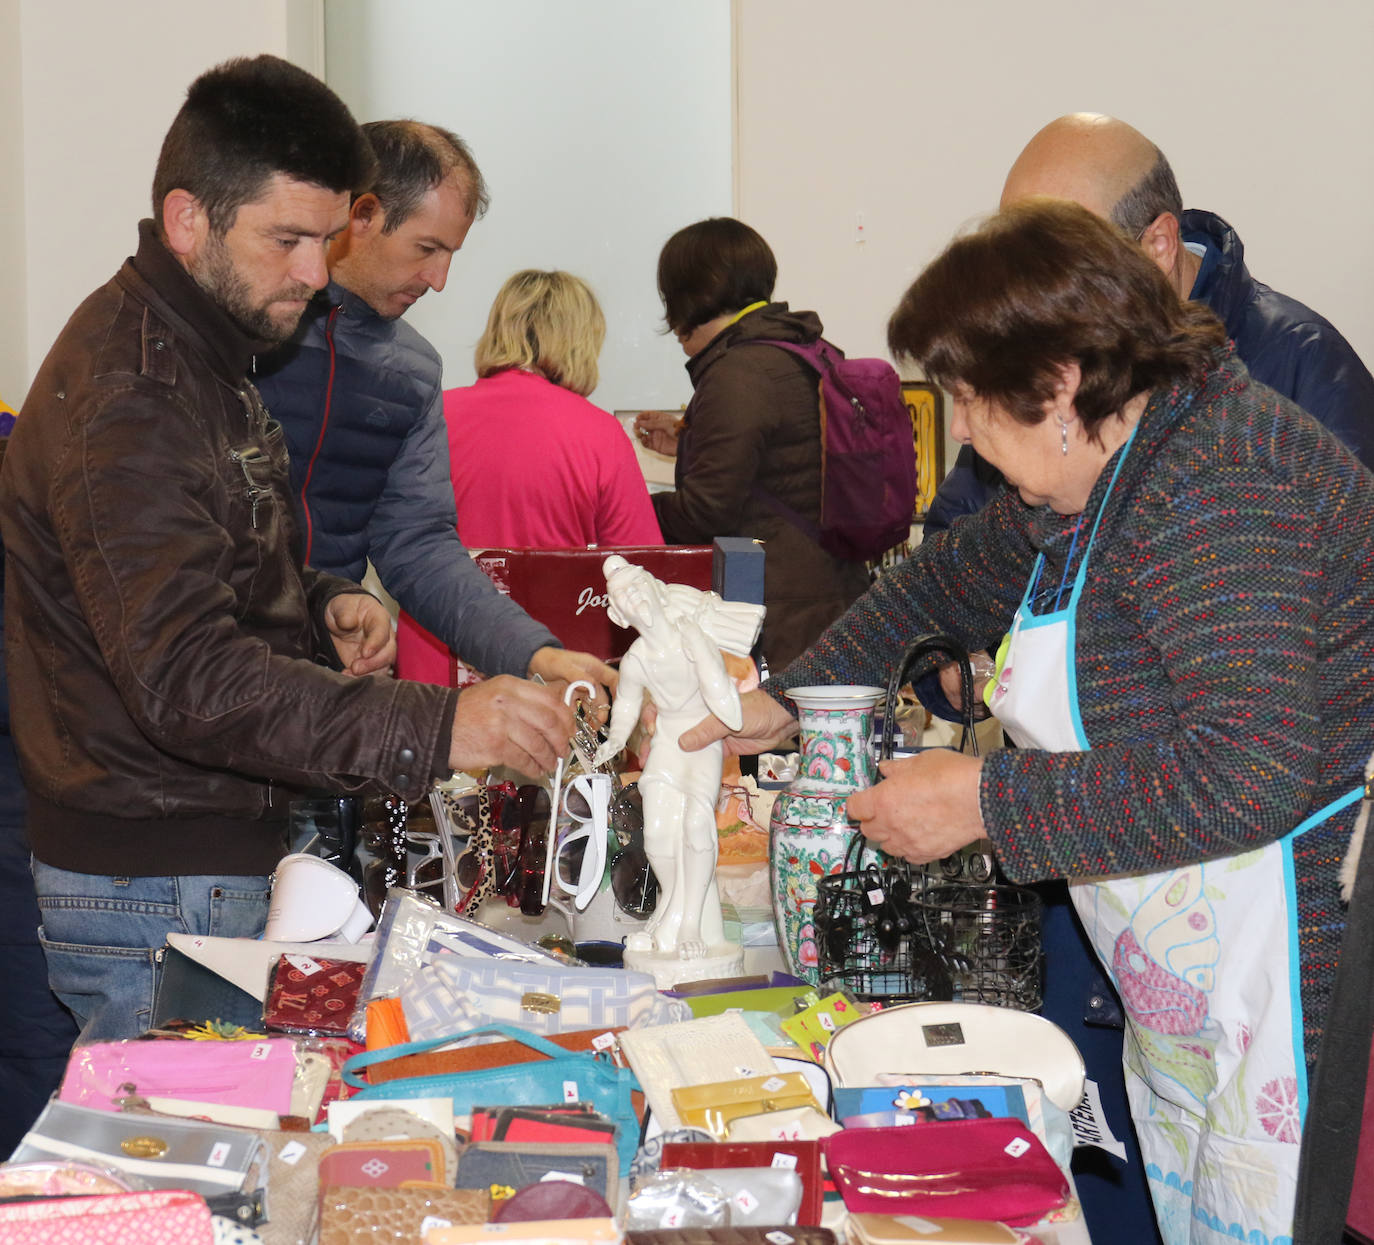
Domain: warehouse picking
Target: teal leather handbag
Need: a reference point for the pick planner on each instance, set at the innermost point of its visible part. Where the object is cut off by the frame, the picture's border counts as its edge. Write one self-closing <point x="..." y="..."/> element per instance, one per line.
<point x="564" y="1076"/>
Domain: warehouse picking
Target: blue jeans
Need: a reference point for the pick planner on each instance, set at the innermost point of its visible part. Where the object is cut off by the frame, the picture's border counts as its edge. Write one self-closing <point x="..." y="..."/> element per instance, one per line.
<point x="104" y="937"/>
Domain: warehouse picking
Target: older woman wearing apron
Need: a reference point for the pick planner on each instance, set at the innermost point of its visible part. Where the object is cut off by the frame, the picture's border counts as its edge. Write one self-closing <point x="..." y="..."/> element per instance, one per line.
<point x="1182" y="566"/>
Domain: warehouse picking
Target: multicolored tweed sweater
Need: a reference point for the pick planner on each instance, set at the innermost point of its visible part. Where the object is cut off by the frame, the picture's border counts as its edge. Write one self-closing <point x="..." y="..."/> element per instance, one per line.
<point x="1225" y="654"/>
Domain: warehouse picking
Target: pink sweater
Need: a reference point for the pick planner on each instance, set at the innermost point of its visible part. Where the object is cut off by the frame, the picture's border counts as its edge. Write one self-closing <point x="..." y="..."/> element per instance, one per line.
<point x="534" y="466"/>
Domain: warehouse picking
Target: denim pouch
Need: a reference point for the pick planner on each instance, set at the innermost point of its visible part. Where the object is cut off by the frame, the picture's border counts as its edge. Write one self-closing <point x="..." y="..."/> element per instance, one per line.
<point x="503" y="1167"/>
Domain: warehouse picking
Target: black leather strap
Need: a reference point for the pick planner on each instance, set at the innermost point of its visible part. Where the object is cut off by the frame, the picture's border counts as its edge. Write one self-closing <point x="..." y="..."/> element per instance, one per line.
<point x="1331" y="1134"/>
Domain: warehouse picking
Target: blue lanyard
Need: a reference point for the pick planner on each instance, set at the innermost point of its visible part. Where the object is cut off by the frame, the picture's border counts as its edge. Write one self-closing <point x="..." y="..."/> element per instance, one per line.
<point x="1077" y="531"/>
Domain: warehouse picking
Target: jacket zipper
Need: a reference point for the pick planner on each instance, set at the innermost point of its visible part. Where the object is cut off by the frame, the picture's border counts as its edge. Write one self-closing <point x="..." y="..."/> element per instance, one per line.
<point x="258" y="420"/>
<point x="319" y="441"/>
<point x="247" y="459"/>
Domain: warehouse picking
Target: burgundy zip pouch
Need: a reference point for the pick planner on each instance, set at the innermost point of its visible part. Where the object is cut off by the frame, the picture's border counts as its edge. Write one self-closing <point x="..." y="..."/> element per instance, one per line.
<point x="969" y="1169"/>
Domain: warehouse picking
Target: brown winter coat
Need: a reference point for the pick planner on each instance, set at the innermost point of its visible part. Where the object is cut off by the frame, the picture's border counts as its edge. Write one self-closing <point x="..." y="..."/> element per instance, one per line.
<point x="164" y="640"/>
<point x="754" y="422"/>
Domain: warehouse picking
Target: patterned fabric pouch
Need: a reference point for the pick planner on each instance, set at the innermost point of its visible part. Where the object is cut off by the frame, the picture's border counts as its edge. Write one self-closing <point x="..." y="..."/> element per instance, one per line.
<point x="163" y="1217"/>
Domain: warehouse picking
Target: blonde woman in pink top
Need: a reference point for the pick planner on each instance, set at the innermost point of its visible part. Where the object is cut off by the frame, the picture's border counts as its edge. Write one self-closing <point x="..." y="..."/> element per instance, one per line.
<point x="534" y="464"/>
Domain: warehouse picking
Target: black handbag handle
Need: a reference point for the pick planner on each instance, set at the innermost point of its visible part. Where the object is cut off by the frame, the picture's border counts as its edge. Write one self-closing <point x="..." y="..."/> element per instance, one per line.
<point x="1331" y="1132"/>
<point x="920" y="647"/>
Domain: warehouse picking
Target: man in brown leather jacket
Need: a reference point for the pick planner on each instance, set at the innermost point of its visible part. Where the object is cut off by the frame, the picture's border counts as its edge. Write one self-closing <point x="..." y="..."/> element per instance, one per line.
<point x="172" y="664"/>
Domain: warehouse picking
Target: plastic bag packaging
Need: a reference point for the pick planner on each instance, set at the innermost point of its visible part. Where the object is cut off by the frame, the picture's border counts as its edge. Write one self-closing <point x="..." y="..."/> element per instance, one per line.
<point x="64" y="1178"/>
<point x="411" y="932"/>
<point x="677" y="1198"/>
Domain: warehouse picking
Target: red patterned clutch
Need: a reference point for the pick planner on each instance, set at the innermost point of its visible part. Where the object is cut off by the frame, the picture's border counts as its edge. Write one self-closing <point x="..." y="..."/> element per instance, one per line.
<point x="312" y="995"/>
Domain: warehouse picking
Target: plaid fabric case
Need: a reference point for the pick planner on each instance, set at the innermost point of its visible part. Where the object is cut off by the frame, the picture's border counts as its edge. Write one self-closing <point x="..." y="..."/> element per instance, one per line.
<point x="461" y="992"/>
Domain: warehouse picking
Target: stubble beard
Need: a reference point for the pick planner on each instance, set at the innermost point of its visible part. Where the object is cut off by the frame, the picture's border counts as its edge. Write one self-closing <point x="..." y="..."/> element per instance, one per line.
<point x="215" y="273"/>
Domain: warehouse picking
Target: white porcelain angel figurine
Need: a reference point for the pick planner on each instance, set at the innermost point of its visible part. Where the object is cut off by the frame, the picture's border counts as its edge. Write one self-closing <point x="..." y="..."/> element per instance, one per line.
<point x="677" y="660"/>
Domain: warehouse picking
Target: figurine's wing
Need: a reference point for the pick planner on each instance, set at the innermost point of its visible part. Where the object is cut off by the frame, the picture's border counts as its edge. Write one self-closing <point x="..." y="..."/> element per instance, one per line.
<point x="733" y="625"/>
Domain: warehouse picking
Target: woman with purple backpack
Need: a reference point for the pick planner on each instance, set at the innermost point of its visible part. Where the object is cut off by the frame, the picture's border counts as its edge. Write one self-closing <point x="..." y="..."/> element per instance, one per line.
<point x="752" y="432"/>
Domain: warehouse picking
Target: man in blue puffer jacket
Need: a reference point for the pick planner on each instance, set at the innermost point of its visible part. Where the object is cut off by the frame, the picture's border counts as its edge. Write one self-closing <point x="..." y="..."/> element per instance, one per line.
<point x="1114" y="170"/>
<point x="360" y="397"/>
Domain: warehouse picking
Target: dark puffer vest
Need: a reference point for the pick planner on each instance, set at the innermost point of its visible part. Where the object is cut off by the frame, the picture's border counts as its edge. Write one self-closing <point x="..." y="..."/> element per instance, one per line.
<point x="361" y="401"/>
<point x="367" y="394"/>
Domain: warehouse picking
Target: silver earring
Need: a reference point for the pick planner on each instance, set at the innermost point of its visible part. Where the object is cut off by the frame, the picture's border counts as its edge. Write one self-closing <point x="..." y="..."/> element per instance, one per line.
<point x="1063" y="437"/>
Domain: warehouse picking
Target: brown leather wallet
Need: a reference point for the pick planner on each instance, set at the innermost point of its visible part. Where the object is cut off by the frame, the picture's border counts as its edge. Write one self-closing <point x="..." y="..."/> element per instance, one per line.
<point x="349" y="1214"/>
<point x="477" y="1058"/>
<point x="760" y="1235"/>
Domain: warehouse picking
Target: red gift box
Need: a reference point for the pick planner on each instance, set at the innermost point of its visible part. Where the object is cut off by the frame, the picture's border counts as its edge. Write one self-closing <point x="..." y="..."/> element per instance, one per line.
<point x="566" y="591"/>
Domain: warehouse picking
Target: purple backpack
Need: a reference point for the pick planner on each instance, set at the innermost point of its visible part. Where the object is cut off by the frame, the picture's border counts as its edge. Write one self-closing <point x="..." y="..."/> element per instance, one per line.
<point x="868" y="455"/>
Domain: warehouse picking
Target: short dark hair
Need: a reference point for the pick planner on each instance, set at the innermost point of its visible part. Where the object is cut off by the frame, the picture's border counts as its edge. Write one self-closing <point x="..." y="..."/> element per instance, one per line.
<point x="1042" y="284"/>
<point x="412" y="159"/>
<point x="1154" y="194"/>
<point x="716" y="266"/>
<point x="245" y="121"/>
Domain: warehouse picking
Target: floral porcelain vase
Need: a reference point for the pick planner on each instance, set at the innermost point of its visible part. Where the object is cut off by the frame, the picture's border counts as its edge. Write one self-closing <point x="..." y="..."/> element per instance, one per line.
<point x="809" y="831"/>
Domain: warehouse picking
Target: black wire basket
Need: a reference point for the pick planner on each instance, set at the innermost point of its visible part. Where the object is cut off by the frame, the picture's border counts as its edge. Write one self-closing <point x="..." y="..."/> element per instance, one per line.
<point x="891" y="932"/>
<point x="987" y="938"/>
<point x="865" y="920"/>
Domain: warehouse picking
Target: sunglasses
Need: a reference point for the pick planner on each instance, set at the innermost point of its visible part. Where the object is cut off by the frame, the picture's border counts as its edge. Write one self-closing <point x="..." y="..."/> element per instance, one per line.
<point x="505" y="826"/>
<point x="633" y="884"/>
<point x="459" y="878"/>
<point x="619" y="860"/>
<point x="580" y="856"/>
<point x="429" y="853"/>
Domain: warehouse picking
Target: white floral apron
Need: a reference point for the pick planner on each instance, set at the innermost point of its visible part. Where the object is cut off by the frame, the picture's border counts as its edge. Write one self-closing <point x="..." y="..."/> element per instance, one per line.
<point x="1205" y="959"/>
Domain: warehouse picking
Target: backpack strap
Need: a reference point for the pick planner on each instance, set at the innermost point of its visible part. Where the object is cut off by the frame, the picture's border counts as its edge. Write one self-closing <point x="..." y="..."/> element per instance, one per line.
<point x="786" y="513"/>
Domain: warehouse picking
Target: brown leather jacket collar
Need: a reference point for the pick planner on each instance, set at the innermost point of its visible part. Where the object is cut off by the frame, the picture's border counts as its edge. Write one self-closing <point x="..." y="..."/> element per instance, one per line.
<point x="157" y="277"/>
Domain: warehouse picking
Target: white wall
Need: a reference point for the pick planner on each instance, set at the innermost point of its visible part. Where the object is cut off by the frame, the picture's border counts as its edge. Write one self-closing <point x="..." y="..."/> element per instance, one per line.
<point x="13" y="292"/>
<point x="911" y="111"/>
<point x="907" y="110"/>
<point x="601" y="127"/>
<point x="99" y="85"/>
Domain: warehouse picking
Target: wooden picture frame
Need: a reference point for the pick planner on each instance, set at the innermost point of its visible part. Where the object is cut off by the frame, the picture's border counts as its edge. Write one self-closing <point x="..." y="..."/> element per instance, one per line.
<point x="925" y="403"/>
